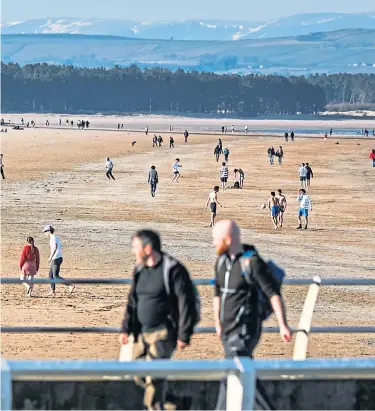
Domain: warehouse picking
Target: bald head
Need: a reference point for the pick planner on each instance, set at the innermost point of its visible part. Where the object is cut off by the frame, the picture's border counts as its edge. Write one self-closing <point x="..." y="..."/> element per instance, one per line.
<point x="226" y="236"/>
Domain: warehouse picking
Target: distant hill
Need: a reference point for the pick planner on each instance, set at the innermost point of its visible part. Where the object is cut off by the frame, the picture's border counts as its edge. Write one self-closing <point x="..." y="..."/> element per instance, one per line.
<point x="196" y="29"/>
<point x="338" y="51"/>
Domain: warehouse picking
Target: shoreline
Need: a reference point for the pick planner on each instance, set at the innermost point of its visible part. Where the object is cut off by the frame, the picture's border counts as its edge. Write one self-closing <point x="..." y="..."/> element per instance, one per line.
<point x="201" y="122"/>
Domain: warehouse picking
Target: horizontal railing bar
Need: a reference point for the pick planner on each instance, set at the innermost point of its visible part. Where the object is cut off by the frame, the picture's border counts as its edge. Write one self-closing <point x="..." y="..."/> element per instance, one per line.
<point x="199" y="330"/>
<point x="329" y="368"/>
<point x="205" y="281"/>
<point x="191" y="369"/>
<point x="181" y="369"/>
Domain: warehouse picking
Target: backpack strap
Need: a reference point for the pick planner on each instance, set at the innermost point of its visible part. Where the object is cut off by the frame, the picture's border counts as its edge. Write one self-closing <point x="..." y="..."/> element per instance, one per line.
<point x="168" y="263"/>
<point x="245" y="261"/>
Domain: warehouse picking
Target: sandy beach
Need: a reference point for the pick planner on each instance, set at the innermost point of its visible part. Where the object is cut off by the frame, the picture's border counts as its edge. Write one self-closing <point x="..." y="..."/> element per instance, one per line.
<point x="57" y="176"/>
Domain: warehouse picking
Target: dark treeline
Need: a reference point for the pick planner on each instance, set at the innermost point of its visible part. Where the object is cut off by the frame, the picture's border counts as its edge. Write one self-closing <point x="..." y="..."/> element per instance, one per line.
<point x="60" y="89"/>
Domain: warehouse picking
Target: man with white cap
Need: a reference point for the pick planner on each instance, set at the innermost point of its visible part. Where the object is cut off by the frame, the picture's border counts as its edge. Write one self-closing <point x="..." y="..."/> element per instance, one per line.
<point x="55" y="259"/>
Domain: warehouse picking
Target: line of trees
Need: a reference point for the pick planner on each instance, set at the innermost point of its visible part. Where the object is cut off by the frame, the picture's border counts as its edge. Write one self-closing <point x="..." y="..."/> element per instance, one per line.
<point x="60" y="89"/>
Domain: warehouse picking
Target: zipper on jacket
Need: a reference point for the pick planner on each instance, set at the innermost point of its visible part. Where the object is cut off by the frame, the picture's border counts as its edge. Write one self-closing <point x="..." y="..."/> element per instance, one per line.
<point x="240" y="312"/>
<point x="226" y="285"/>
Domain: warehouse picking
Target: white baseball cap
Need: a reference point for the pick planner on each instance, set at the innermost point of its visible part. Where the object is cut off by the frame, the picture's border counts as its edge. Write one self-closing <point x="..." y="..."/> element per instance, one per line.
<point x="47" y="228"/>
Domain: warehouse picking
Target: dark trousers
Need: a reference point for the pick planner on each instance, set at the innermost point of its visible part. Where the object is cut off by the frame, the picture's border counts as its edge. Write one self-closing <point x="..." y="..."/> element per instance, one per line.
<point x="152" y="345"/>
<point x="153" y="187"/>
<point x="2" y="173"/>
<point x="239" y="344"/>
<point x="171" y="145"/>
<point x="109" y="174"/>
<point x="54" y="272"/>
<point x="217" y="157"/>
<point x="226" y="157"/>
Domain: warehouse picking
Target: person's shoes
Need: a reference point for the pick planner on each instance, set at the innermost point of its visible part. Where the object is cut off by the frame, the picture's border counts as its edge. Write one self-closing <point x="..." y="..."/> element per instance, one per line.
<point x="51" y="294"/>
<point x="305" y="227"/>
<point x="299" y="227"/>
<point x="71" y="289"/>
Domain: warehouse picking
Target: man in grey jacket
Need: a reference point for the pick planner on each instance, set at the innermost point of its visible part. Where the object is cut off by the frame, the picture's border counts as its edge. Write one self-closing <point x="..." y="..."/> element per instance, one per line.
<point x="153" y="180"/>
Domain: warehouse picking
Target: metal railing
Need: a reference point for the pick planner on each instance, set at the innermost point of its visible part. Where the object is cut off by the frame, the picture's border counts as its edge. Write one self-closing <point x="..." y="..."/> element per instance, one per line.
<point x="302" y="331"/>
<point x="240" y="372"/>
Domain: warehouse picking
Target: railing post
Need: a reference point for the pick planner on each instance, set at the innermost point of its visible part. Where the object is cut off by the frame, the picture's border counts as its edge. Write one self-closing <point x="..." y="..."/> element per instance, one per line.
<point x="6" y="386"/>
<point x="241" y="387"/>
<point x="304" y="325"/>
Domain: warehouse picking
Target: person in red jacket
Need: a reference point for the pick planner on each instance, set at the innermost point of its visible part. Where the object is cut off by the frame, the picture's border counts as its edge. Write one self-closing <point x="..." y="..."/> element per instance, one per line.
<point x="372" y="156"/>
<point x="29" y="263"/>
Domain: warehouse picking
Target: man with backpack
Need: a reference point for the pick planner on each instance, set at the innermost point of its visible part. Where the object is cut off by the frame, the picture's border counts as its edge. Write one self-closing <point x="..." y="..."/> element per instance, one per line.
<point x="162" y="311"/>
<point x="247" y="290"/>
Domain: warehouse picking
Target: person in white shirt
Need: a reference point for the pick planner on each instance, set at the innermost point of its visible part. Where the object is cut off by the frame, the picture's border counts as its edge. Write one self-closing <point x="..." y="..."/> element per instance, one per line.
<point x="224" y="175"/>
<point x="55" y="259"/>
<point x="175" y="167"/>
<point x="109" y="167"/>
<point x="305" y="205"/>
<point x="302" y="172"/>
<point x="232" y="129"/>
<point x="246" y="129"/>
<point x="213" y="202"/>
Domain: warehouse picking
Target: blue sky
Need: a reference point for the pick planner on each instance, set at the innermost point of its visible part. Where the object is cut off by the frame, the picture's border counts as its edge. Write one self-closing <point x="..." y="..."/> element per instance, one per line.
<point x="156" y="10"/>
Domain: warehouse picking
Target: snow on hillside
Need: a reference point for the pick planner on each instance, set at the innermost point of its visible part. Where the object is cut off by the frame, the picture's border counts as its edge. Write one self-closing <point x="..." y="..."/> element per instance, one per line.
<point x="196" y="30"/>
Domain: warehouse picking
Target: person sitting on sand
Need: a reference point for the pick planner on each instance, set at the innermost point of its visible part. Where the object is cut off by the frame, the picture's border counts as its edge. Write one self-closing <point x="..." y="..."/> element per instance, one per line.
<point x="29" y="263"/>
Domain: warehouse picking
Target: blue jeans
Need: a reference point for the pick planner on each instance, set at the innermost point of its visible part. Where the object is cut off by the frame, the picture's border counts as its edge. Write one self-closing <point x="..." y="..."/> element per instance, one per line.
<point x="54" y="272"/>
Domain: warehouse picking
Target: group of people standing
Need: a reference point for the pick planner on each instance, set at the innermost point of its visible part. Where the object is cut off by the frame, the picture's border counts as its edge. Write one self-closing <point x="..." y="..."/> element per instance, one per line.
<point x="272" y="153"/>
<point x="30" y="262"/>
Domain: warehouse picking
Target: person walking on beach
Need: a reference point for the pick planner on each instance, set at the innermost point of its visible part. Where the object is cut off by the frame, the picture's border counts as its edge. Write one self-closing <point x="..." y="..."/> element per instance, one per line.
<point x="55" y="259"/>
<point x="232" y="129"/>
<point x="146" y="130"/>
<point x="292" y="136"/>
<point x="109" y="167"/>
<point x="271" y="155"/>
<point x="224" y="175"/>
<point x="280" y="154"/>
<point x="29" y="263"/>
<point x="372" y="157"/>
<point x="302" y="172"/>
<point x="286" y="135"/>
<point x="282" y="206"/>
<point x="305" y="205"/>
<point x="213" y="202"/>
<point x="222" y="129"/>
<point x="274" y="207"/>
<point x="176" y="170"/>
<point x="217" y="152"/>
<point x="2" y="166"/>
<point x="220" y="144"/>
<point x="160" y="315"/>
<point x="309" y="175"/>
<point x="171" y="142"/>
<point x="160" y="140"/>
<point x="238" y="321"/>
<point x="246" y="129"/>
<point x="330" y="132"/>
<point x="153" y="180"/>
<point x="226" y="154"/>
<point x="325" y="137"/>
<point x="186" y="135"/>
<point x="154" y="141"/>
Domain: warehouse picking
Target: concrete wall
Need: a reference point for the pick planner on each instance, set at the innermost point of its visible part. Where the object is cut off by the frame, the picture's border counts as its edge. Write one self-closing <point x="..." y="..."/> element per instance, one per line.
<point x="125" y="395"/>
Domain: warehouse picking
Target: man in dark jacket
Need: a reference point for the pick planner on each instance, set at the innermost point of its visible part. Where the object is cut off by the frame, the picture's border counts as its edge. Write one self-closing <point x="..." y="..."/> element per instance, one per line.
<point x="236" y="312"/>
<point x="161" y="311"/>
<point x="309" y="174"/>
<point x="153" y="180"/>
